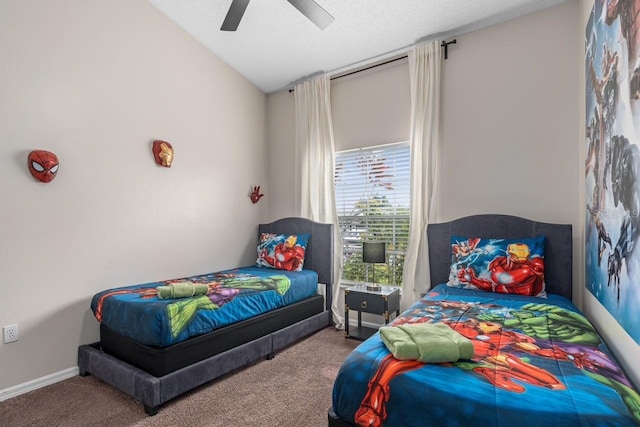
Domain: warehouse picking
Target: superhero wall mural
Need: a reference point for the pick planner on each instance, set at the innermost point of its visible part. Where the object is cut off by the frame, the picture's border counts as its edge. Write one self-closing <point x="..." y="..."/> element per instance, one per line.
<point x="612" y="167"/>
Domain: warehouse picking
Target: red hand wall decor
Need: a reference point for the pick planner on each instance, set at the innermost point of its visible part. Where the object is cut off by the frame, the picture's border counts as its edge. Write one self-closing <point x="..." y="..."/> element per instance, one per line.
<point x="255" y="194"/>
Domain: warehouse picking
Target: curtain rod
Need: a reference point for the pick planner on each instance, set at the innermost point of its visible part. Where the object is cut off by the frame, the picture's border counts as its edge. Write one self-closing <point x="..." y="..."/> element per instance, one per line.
<point x="368" y="68"/>
<point x="444" y="44"/>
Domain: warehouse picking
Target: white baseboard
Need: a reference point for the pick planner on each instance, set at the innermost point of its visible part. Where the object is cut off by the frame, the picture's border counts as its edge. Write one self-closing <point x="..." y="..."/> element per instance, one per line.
<point x="23" y="388"/>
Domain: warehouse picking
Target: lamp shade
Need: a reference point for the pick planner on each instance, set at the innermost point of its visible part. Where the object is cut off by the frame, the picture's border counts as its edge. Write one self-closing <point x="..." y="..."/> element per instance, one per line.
<point x="373" y="252"/>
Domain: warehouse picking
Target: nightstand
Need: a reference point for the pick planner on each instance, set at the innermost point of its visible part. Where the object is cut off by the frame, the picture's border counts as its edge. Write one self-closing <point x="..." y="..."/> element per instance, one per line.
<point x="359" y="298"/>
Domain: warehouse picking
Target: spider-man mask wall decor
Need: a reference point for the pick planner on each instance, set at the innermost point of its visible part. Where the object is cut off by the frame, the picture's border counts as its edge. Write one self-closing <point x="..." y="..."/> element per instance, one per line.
<point x="43" y="165"/>
<point x="163" y="153"/>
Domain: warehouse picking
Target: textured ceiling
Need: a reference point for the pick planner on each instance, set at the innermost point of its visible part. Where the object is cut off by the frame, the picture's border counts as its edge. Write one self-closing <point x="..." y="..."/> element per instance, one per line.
<point x="276" y="45"/>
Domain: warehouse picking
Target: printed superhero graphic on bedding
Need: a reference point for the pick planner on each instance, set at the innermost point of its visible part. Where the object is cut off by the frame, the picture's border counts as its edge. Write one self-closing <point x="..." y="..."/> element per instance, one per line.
<point x="509" y="266"/>
<point x="222" y="289"/>
<point x="512" y="345"/>
<point x="281" y="251"/>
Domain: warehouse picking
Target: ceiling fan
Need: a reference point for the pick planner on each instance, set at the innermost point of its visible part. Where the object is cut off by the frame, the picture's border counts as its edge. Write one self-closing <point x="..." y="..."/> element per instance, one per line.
<point x="309" y="8"/>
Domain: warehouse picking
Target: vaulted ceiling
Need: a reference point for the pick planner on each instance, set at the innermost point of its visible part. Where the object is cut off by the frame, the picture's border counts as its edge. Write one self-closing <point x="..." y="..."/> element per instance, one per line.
<point x="275" y="45"/>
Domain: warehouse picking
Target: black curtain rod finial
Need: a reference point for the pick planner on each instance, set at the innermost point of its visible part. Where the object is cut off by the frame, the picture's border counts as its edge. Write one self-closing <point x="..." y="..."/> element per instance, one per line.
<point x="445" y="45"/>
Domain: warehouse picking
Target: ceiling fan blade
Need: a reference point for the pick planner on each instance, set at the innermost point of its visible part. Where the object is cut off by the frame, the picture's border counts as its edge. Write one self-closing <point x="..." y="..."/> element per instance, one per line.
<point x="314" y="12"/>
<point x="234" y="15"/>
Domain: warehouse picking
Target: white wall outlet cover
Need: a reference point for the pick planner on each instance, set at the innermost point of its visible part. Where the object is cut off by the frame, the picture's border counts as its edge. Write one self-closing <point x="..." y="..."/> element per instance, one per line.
<point x="10" y="333"/>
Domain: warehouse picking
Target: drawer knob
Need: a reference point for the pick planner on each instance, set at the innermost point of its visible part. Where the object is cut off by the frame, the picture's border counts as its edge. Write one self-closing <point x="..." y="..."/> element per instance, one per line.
<point x="363" y="304"/>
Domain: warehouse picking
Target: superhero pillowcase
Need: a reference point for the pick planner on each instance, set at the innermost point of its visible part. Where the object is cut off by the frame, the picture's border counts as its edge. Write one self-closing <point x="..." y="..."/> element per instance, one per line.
<point x="282" y="251"/>
<point x="510" y="266"/>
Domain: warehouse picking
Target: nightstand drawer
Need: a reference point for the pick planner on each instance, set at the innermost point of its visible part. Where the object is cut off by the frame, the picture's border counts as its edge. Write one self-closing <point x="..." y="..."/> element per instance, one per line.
<point x="366" y="302"/>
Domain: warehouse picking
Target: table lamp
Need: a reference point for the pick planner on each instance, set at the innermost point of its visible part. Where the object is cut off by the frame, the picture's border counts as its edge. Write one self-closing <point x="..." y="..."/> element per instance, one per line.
<point x="372" y="253"/>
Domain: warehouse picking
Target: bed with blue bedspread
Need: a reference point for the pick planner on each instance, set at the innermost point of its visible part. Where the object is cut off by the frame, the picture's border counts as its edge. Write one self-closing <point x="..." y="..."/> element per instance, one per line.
<point x="535" y="361"/>
<point x="159" y="340"/>
<point x="231" y="296"/>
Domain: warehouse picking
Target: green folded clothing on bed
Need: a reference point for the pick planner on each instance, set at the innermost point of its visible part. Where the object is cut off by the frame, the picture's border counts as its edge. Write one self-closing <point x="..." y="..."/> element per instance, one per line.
<point x="182" y="290"/>
<point x="426" y="342"/>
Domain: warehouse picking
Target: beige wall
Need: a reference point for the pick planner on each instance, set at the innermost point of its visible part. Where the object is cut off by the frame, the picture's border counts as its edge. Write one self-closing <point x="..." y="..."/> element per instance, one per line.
<point x="281" y="134"/>
<point x="513" y="131"/>
<point x="624" y="347"/>
<point x="95" y="82"/>
<point x="510" y="120"/>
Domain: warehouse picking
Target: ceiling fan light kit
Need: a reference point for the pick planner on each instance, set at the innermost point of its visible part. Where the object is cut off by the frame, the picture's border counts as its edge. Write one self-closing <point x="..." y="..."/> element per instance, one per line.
<point x="309" y="8"/>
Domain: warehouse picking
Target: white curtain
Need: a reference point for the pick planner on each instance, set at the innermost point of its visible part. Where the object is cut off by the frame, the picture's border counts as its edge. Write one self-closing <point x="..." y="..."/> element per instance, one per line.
<point x="315" y="156"/>
<point x="424" y="73"/>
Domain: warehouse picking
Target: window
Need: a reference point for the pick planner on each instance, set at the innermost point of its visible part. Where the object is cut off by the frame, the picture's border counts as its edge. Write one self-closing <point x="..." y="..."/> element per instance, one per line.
<point x="372" y="200"/>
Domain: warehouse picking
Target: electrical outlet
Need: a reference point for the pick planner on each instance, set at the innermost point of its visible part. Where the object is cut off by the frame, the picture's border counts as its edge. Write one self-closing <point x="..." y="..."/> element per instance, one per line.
<point x="10" y="333"/>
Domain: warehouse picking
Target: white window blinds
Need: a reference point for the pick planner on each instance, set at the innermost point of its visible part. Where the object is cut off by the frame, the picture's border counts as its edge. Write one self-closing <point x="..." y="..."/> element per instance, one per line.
<point x="372" y="200"/>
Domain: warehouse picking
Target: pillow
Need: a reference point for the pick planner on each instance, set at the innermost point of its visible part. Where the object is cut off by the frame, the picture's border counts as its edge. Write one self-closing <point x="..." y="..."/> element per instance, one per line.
<point x="510" y="266"/>
<point x="282" y="251"/>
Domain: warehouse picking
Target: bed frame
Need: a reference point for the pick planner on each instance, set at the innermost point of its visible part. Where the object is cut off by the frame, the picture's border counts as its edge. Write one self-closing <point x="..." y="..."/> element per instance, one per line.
<point x="153" y="391"/>
<point x="558" y="249"/>
<point x="558" y="273"/>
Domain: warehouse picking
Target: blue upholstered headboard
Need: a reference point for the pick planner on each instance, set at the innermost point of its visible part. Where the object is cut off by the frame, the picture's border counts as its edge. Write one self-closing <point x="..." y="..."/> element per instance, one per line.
<point x="319" y="252"/>
<point x="558" y="259"/>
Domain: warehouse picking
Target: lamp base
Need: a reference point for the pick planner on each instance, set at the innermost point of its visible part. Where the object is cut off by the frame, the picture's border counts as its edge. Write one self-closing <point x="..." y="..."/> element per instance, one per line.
<point x="373" y="287"/>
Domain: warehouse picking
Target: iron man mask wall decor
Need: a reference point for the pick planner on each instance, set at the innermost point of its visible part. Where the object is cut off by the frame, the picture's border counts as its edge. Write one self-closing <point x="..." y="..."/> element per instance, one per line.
<point x="43" y="165"/>
<point x="163" y="153"/>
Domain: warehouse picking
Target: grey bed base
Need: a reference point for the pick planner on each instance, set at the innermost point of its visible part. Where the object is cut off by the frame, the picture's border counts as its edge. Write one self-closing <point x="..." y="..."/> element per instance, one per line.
<point x="154" y="391"/>
<point x="558" y="263"/>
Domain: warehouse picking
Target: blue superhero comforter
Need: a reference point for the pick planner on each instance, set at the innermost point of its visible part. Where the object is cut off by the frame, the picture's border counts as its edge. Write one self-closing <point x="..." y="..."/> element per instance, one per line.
<point x="537" y="362"/>
<point x="233" y="295"/>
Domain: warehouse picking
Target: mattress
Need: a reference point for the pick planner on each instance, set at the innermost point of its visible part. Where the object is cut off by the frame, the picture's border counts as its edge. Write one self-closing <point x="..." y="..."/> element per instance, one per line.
<point x="234" y="295"/>
<point x="160" y="361"/>
<point x="537" y="362"/>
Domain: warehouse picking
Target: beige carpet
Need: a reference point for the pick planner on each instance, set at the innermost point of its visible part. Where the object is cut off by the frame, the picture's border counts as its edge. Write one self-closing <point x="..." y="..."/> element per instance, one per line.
<point x="293" y="389"/>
